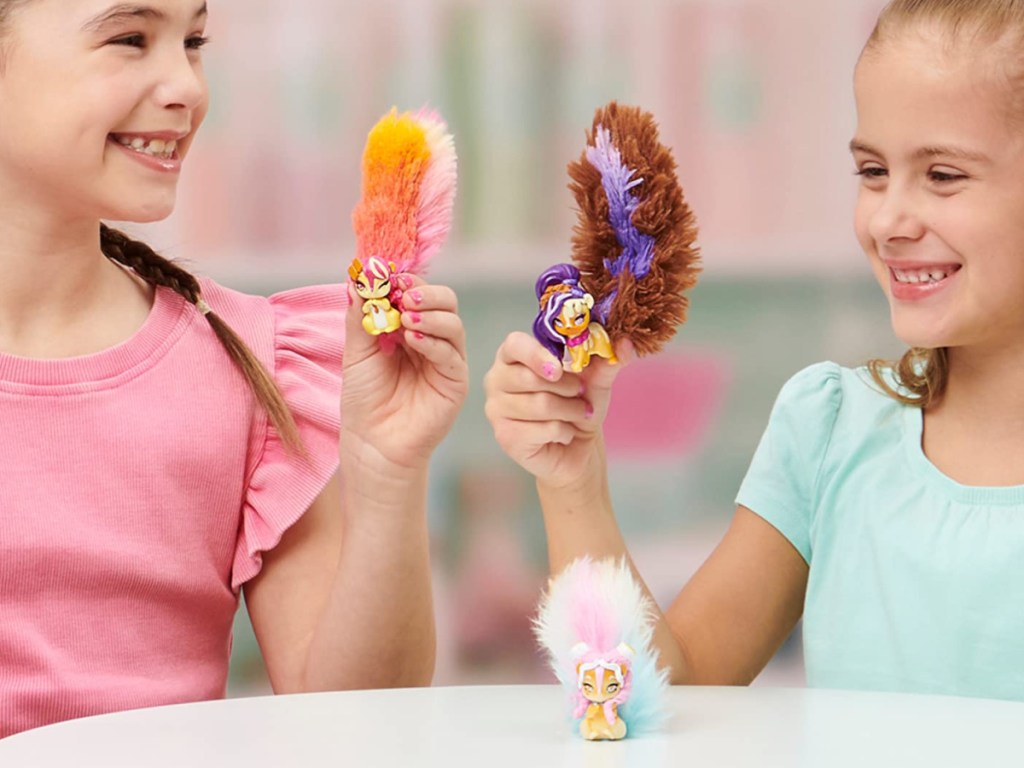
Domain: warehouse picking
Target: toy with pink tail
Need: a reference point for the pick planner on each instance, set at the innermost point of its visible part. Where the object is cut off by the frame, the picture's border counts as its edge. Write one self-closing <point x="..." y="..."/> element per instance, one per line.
<point x="596" y="625"/>
<point x="405" y="211"/>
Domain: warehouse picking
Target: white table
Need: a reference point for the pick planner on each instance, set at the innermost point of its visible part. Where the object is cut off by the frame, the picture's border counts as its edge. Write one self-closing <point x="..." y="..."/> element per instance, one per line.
<point x="527" y="727"/>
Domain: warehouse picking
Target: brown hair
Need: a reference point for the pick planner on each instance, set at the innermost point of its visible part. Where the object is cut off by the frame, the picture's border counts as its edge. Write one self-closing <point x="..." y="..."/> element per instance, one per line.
<point x="158" y="271"/>
<point x="919" y="378"/>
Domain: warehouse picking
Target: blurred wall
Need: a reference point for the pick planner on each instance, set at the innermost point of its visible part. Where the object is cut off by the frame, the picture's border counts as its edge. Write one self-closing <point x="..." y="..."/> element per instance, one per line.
<point x="755" y="99"/>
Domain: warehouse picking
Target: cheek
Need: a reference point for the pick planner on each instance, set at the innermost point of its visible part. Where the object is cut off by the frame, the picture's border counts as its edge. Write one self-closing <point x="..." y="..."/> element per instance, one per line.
<point x="862" y="213"/>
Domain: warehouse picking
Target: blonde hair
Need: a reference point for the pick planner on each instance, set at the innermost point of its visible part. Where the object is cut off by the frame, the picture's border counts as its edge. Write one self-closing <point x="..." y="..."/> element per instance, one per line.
<point x="919" y="378"/>
<point x="962" y="20"/>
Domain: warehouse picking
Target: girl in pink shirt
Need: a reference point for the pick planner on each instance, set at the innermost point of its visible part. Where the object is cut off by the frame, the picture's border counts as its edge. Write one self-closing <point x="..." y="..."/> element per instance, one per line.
<point x="166" y="442"/>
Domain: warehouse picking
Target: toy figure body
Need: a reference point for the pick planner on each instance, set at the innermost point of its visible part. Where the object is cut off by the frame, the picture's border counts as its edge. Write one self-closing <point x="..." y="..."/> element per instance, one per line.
<point x="583" y="338"/>
<point x="596" y="625"/>
<point x="600" y="685"/>
<point x="565" y="323"/>
<point x="373" y="283"/>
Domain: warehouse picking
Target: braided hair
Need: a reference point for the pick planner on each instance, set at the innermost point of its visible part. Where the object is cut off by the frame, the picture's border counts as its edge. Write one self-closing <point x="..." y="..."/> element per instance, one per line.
<point x="158" y="271"/>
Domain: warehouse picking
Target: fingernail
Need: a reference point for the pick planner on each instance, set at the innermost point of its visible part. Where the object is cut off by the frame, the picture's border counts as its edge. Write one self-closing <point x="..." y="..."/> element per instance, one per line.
<point x="589" y="411"/>
<point x="416" y="317"/>
<point x="583" y="388"/>
<point x="549" y="370"/>
<point x="404" y="281"/>
<point x="419" y="336"/>
<point x="416" y="297"/>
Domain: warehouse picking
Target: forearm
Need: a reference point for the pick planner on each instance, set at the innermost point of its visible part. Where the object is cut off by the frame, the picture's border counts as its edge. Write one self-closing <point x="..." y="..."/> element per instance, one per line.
<point x="377" y="627"/>
<point x="579" y="520"/>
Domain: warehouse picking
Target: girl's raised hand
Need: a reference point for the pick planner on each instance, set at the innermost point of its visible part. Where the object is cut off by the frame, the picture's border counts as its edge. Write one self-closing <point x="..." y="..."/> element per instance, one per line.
<point x="399" y="403"/>
<point x="547" y="420"/>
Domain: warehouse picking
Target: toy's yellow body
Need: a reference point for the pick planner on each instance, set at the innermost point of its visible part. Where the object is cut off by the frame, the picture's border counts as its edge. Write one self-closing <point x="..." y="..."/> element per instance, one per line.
<point x="582" y="337"/>
<point x="372" y="282"/>
<point x="594" y="726"/>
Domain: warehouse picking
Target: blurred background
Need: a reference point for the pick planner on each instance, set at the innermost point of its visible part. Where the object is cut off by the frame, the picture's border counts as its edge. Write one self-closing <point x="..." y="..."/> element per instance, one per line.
<point x="755" y="99"/>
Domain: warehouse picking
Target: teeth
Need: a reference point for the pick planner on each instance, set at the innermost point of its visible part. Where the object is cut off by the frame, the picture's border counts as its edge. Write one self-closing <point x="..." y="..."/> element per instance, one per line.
<point x="156" y="147"/>
<point x="920" y="275"/>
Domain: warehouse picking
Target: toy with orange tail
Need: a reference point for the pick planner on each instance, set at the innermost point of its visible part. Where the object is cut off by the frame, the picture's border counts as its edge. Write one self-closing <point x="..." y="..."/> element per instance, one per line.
<point x="634" y="248"/>
<point x="596" y="625"/>
<point x="405" y="212"/>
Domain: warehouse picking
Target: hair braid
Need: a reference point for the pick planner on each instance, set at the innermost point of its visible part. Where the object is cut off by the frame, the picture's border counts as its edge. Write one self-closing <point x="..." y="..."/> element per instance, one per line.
<point x="158" y="271"/>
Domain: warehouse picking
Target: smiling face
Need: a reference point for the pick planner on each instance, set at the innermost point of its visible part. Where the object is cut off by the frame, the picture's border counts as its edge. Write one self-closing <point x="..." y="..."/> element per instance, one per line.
<point x="99" y="104"/>
<point x="940" y="212"/>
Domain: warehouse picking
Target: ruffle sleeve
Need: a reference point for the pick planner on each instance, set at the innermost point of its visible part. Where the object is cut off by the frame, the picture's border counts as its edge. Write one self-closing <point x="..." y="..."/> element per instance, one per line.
<point x="781" y="484"/>
<point x="309" y="335"/>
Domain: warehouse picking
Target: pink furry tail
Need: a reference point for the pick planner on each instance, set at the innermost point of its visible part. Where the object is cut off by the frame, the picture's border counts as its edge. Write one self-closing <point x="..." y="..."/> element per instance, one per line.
<point x="434" y="211"/>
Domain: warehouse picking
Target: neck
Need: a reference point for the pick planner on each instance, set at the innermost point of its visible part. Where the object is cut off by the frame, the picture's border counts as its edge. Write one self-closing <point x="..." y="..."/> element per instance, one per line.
<point x="57" y="290"/>
<point x="975" y="433"/>
<point x="986" y="387"/>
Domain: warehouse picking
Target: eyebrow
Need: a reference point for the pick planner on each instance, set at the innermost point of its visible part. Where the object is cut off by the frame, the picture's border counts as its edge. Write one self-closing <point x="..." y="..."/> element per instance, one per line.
<point x="927" y="152"/>
<point x="126" y="11"/>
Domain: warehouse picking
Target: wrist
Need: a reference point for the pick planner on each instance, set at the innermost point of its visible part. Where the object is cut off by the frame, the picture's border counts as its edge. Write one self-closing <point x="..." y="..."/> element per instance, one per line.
<point x="589" y="480"/>
<point x="370" y="478"/>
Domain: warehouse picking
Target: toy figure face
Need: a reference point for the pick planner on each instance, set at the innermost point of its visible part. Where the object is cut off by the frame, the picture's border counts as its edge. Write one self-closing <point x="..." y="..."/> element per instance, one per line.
<point x="574" y="318"/>
<point x="599" y="685"/>
<point x="370" y="288"/>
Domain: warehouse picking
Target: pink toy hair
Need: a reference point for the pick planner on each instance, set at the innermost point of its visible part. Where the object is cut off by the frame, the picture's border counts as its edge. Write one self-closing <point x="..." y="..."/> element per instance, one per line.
<point x="378" y="269"/>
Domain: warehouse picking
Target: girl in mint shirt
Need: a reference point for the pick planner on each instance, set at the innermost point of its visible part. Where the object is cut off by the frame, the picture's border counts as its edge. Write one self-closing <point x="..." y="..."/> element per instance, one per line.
<point x="885" y="505"/>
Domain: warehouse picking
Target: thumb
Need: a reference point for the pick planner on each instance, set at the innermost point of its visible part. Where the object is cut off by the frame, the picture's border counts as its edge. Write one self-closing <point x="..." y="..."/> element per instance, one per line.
<point x="600" y="375"/>
<point x="359" y="344"/>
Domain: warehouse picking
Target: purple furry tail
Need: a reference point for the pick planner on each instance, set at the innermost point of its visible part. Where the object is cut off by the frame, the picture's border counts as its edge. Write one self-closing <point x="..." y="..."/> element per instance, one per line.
<point x="617" y="179"/>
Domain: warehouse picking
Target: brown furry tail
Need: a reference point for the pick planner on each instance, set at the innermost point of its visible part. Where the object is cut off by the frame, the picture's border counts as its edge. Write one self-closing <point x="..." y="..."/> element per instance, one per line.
<point x="650" y="307"/>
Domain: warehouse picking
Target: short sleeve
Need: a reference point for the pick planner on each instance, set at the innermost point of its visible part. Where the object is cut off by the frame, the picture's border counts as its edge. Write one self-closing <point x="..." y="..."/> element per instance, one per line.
<point x="309" y="333"/>
<point x="782" y="481"/>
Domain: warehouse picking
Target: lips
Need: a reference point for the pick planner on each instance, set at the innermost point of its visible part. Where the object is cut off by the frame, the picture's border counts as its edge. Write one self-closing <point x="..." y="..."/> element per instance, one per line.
<point x="909" y="282"/>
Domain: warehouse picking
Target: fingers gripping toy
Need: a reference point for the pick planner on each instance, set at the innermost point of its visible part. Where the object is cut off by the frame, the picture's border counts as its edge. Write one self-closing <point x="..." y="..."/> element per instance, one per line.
<point x="634" y="247"/>
<point x="596" y="624"/>
<point x="405" y="211"/>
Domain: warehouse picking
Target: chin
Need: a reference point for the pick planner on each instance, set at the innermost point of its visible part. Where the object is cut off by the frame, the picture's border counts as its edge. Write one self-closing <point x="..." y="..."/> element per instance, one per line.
<point x="145" y="214"/>
<point x="920" y="337"/>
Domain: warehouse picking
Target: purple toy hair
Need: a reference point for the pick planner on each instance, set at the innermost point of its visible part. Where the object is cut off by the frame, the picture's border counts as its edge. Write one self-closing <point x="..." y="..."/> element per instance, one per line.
<point x="618" y="181"/>
<point x="555" y="286"/>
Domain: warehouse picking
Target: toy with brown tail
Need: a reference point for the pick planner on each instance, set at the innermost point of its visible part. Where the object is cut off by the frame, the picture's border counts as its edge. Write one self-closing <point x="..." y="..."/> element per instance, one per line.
<point x="634" y="247"/>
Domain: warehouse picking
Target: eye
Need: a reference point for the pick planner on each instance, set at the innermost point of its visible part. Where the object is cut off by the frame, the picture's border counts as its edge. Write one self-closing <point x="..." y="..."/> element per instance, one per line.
<point x="579" y="319"/>
<point x="613" y="688"/>
<point x="559" y="323"/>
<point x="872" y="172"/>
<point x="943" y="176"/>
<point x="196" y="42"/>
<point x="131" y="41"/>
<point x="588" y="687"/>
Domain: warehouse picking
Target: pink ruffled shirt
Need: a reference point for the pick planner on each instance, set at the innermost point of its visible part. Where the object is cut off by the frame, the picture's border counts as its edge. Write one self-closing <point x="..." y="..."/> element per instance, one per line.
<point x="140" y="486"/>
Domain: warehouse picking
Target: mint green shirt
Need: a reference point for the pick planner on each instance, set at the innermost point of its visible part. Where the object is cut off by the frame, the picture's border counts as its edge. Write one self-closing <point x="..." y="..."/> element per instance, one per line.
<point x="916" y="582"/>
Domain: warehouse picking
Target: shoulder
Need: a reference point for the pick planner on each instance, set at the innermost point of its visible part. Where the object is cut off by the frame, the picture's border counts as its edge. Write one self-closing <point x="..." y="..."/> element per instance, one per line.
<point x="833" y="390"/>
<point x="313" y="315"/>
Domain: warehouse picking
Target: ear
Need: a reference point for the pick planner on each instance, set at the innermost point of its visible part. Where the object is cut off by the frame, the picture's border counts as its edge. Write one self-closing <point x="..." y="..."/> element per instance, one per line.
<point x="355" y="269"/>
<point x="625" y="670"/>
<point x="589" y="300"/>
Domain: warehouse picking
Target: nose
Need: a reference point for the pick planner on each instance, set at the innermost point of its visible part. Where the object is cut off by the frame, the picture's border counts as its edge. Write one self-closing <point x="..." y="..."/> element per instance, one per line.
<point x="182" y="84"/>
<point x="896" y="215"/>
